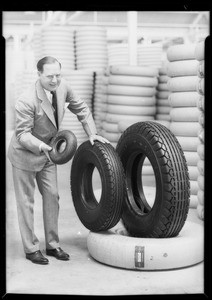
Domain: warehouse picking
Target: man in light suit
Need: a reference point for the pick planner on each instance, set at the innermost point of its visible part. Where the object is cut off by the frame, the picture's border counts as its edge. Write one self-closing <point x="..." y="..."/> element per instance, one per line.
<point x="28" y="154"/>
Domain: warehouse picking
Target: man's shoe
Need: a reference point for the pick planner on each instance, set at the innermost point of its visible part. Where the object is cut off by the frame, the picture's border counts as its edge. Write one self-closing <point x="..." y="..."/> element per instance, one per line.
<point x="37" y="258"/>
<point x="58" y="253"/>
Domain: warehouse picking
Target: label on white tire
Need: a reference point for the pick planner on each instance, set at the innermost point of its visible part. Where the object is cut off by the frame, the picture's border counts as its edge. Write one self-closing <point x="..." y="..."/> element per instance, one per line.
<point x="139" y="257"/>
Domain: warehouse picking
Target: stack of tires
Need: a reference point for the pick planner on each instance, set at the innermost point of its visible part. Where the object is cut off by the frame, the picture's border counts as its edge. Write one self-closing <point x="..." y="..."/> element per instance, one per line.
<point x="130" y="98"/>
<point x="28" y="77"/>
<point x="118" y="54"/>
<point x="199" y="54"/>
<point x="58" y="41"/>
<point x="150" y="55"/>
<point x="37" y="45"/>
<point x="100" y="103"/>
<point x="162" y="103"/>
<point x="91" y="47"/>
<point x="182" y="70"/>
<point x="81" y="82"/>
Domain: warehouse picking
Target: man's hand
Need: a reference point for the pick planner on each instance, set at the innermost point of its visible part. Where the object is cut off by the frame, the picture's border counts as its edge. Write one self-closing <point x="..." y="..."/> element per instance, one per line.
<point x="95" y="137"/>
<point x="45" y="148"/>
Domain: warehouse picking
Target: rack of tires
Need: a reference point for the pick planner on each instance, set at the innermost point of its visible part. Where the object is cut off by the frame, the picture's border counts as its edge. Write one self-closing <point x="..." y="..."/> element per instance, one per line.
<point x="58" y="41"/>
<point x="200" y="57"/>
<point x="91" y="47"/>
<point x="130" y="98"/>
<point x="162" y="103"/>
<point x="182" y="70"/>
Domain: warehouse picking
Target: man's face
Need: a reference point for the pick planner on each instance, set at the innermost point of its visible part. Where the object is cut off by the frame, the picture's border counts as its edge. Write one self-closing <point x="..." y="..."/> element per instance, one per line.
<point x="50" y="78"/>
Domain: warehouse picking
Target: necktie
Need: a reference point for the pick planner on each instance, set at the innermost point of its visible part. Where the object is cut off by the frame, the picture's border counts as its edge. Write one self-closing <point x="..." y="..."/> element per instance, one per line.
<point x="54" y="104"/>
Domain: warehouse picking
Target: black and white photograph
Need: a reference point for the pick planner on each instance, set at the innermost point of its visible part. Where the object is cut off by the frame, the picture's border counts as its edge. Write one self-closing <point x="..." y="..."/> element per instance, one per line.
<point x="105" y="151"/>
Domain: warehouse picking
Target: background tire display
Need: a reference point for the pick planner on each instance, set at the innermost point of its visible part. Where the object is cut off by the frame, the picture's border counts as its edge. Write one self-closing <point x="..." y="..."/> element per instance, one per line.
<point x="94" y="215"/>
<point x="200" y="56"/>
<point x="162" y="103"/>
<point x="167" y="215"/>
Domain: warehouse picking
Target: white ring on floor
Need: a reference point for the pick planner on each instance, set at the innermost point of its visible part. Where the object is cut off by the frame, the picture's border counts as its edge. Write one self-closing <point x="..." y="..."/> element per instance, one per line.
<point x="114" y="248"/>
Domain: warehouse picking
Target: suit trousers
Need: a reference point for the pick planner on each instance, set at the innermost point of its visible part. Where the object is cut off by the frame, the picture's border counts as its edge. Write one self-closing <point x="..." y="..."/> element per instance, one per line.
<point x="24" y="184"/>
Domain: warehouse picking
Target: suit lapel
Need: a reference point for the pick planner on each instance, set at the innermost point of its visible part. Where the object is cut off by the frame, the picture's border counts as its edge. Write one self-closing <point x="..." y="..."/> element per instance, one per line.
<point x="46" y="105"/>
<point x="60" y="105"/>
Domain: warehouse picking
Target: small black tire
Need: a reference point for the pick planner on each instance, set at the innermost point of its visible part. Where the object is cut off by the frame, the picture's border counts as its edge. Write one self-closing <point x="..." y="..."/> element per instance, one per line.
<point x="103" y="214"/>
<point x="167" y="215"/>
<point x="63" y="136"/>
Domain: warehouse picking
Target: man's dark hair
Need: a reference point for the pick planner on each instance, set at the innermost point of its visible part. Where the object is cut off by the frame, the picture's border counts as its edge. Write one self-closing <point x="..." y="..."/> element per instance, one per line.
<point x="46" y="60"/>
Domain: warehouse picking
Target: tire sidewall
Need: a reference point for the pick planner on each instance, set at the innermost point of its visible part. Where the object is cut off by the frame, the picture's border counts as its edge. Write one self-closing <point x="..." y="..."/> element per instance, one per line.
<point x="132" y="144"/>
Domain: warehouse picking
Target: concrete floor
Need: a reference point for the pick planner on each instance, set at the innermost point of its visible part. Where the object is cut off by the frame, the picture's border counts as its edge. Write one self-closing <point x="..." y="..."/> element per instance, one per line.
<point x="82" y="275"/>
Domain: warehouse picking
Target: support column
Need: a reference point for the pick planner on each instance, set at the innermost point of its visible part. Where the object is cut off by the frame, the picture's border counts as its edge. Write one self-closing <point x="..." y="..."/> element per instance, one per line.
<point x="132" y="37"/>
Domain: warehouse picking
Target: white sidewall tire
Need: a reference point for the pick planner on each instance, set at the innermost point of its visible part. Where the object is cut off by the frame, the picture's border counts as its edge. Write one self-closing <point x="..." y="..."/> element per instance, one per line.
<point x="200" y="180"/>
<point x="201" y="103"/>
<point x="200" y="197"/>
<point x="163" y="117"/>
<point x="182" y="99"/>
<point x="201" y="151"/>
<point x="111" y="136"/>
<point x="130" y="90"/>
<point x="193" y="201"/>
<point x="185" y="128"/>
<point x="188" y="143"/>
<point x="193" y="173"/>
<point x="133" y="80"/>
<point x="194" y="187"/>
<point x="117" y="118"/>
<point x="200" y="86"/>
<point x="181" y="52"/>
<point x="111" y="127"/>
<point x="182" y="68"/>
<point x="113" y="248"/>
<point x="200" y="211"/>
<point x="185" y="114"/>
<point x="163" y="109"/>
<point x="182" y="83"/>
<point x="162" y="102"/>
<point x="201" y="166"/>
<point x="162" y="87"/>
<point x="162" y="94"/>
<point x="134" y="70"/>
<point x="192" y="158"/>
<point x="201" y="69"/>
<point x="131" y="110"/>
<point x="131" y="100"/>
<point x="200" y="50"/>
<point x="163" y="78"/>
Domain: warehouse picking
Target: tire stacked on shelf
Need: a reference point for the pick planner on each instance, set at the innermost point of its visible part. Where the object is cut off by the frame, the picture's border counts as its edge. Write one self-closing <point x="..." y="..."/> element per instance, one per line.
<point x="162" y="103"/>
<point x="91" y="47"/>
<point x="81" y="81"/>
<point x="118" y="54"/>
<point x="184" y="114"/>
<point x="200" y="56"/>
<point x="130" y="98"/>
<point x="150" y="55"/>
<point x="58" y="41"/>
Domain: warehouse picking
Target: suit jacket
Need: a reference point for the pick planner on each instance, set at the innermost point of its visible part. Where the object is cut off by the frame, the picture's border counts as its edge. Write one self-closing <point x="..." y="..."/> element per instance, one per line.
<point x="35" y="123"/>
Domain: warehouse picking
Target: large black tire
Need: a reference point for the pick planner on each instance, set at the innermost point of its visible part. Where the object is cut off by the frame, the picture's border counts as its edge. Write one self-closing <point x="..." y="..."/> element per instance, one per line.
<point x="105" y="213"/>
<point x="167" y="215"/>
<point x="62" y="157"/>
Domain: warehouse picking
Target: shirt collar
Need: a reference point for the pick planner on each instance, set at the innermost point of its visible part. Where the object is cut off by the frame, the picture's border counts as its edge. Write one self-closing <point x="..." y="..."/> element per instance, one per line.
<point x="48" y="94"/>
